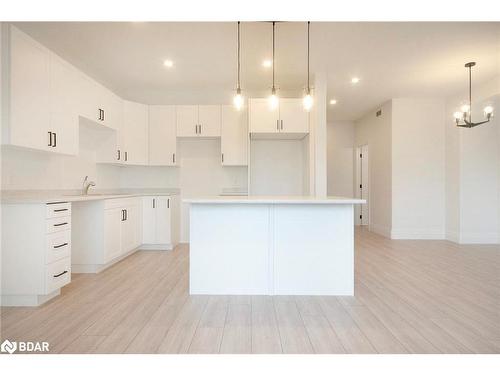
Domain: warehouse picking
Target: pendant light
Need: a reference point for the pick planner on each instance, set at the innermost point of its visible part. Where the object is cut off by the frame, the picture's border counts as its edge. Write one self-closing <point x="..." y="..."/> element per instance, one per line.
<point x="238" y="98"/>
<point x="465" y="113"/>
<point x="307" y="101"/>
<point x="273" y="99"/>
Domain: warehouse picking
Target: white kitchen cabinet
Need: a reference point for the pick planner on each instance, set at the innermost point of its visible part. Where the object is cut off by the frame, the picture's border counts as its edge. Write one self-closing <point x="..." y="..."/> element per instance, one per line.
<point x="97" y="103"/>
<point x="160" y="222"/>
<point x="209" y="118"/>
<point x="198" y="121"/>
<point x="29" y="123"/>
<point x="262" y="118"/>
<point x="135" y="134"/>
<point x="288" y="121"/>
<point x="104" y="232"/>
<point x="36" y="252"/>
<point x="162" y="135"/>
<point x="187" y="120"/>
<point x="112" y="233"/>
<point x="234" y="136"/>
<point x="44" y="96"/>
<point x="293" y="117"/>
<point x="63" y="106"/>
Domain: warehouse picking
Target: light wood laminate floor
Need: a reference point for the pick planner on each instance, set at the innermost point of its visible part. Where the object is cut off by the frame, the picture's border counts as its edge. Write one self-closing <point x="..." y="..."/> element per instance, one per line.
<point x="410" y="297"/>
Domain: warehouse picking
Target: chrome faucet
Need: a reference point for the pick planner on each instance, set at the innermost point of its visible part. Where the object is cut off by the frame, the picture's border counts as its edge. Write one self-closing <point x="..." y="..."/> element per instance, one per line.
<point x="86" y="186"/>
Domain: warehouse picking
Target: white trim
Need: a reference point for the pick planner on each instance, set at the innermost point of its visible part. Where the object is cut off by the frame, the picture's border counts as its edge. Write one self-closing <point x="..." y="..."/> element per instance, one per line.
<point x="96" y="268"/>
<point x="149" y="247"/>
<point x="28" y="300"/>
<point x="479" y="238"/>
<point x="418" y="234"/>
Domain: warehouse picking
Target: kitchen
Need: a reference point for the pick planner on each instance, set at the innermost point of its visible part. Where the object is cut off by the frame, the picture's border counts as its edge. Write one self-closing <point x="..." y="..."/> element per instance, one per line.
<point x="255" y="201"/>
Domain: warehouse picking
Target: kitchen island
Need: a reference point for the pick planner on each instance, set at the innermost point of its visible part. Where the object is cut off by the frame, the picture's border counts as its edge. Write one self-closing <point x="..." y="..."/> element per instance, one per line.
<point x="272" y="245"/>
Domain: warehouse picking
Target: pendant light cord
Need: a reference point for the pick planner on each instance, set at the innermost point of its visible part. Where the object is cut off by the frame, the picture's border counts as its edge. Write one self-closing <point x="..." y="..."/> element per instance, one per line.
<point x="308" y="86"/>
<point x="238" y="56"/>
<point x="470" y="93"/>
<point x="273" y="53"/>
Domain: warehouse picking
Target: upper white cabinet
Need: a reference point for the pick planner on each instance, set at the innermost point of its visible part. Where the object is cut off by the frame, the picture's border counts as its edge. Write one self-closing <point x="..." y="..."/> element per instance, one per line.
<point x="134" y="135"/>
<point x="162" y="135"/>
<point x="198" y="120"/>
<point x="42" y="112"/>
<point x="262" y="118"/>
<point x="98" y="104"/>
<point x="234" y="137"/>
<point x="289" y="120"/>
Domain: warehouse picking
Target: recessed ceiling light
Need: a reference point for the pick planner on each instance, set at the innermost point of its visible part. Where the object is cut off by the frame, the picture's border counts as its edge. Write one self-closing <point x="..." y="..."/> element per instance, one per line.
<point x="267" y="63"/>
<point x="168" y="63"/>
<point x="333" y="101"/>
<point x="354" y="80"/>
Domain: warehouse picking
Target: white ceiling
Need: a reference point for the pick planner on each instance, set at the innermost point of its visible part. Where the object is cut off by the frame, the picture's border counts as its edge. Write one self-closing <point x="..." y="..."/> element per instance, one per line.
<point x="392" y="59"/>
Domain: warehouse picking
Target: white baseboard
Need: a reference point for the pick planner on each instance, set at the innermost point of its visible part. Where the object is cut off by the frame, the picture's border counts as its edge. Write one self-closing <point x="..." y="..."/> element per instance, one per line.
<point x="479" y="238"/>
<point x="453" y="236"/>
<point x="28" y="300"/>
<point x="417" y="234"/>
<point x="96" y="268"/>
<point x="148" y="247"/>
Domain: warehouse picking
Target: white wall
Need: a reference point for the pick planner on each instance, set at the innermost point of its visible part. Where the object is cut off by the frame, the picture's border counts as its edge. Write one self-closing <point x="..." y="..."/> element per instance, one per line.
<point x="201" y="174"/>
<point x="277" y="167"/>
<point x="340" y="159"/>
<point x="418" y="168"/>
<point x="376" y="133"/>
<point x="473" y="170"/>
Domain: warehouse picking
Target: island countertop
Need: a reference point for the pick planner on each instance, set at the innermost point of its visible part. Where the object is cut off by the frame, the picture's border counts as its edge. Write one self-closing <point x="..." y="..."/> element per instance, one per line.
<point x="293" y="199"/>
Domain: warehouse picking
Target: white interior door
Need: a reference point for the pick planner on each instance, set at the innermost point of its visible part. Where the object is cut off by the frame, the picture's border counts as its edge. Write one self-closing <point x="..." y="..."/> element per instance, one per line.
<point x="362" y="185"/>
<point x="209" y="118"/>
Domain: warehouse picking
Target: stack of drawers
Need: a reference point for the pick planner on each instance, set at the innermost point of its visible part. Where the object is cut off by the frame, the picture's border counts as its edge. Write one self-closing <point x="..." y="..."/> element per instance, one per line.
<point x="58" y="246"/>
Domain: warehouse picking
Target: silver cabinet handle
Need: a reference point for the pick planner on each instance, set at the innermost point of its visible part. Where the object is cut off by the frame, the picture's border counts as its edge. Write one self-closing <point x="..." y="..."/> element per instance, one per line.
<point x="173" y="158"/>
<point x="281" y="124"/>
<point x="277" y="125"/>
<point x="168" y="203"/>
<point x="153" y="203"/>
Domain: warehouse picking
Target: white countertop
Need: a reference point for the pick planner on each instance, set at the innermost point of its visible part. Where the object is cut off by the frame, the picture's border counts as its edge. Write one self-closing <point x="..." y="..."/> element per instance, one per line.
<point x="52" y="196"/>
<point x="272" y="200"/>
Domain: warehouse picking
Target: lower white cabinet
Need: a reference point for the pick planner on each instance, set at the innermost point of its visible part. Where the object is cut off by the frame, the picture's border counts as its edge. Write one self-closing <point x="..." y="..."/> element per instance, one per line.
<point x="104" y="232"/>
<point x="160" y="222"/>
<point x="36" y="252"/>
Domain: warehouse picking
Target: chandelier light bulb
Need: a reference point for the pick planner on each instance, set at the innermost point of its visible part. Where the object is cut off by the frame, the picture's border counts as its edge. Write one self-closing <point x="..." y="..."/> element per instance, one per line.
<point x="458" y="115"/>
<point x="465" y="108"/>
<point x="307" y="101"/>
<point x="488" y="110"/>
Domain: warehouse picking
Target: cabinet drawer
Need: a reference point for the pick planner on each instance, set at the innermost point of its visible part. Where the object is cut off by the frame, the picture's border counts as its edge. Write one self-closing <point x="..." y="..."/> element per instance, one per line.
<point x="58" y="246"/>
<point x="58" y="224"/>
<point x="57" y="274"/>
<point x="58" y="209"/>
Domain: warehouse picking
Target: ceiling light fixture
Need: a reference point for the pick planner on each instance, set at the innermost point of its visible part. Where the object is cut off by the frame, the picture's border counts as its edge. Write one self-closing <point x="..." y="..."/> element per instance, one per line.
<point x="308" y="99"/>
<point x="333" y="101"/>
<point x="238" y="98"/>
<point x="465" y="113"/>
<point x="354" y="80"/>
<point x="168" y="63"/>
<point x="273" y="99"/>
